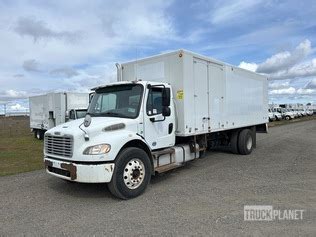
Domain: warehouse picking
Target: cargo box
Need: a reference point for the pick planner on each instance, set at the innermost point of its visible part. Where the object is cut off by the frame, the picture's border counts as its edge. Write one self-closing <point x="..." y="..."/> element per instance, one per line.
<point x="209" y="95"/>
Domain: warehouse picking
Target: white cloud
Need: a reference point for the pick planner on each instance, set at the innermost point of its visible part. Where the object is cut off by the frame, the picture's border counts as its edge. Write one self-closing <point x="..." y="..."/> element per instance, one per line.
<point x="64" y="41"/>
<point x="64" y="72"/>
<point x="230" y="10"/>
<point x="285" y="60"/>
<point x="278" y="85"/>
<point x="31" y="65"/>
<point x="18" y="75"/>
<point x="300" y="70"/>
<point x="18" y="107"/>
<point x="303" y="91"/>
<point x="311" y="84"/>
<point x="248" y="66"/>
<point x="283" y="91"/>
<point x="38" y="29"/>
<point x="287" y="64"/>
<point x="15" y="94"/>
<point x="286" y="89"/>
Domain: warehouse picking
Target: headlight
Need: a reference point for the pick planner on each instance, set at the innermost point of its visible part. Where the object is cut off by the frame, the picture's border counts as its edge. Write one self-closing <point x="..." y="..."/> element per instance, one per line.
<point x="97" y="149"/>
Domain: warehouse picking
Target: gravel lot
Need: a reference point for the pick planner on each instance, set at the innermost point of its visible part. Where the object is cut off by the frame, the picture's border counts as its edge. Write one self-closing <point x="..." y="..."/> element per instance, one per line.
<point x="204" y="197"/>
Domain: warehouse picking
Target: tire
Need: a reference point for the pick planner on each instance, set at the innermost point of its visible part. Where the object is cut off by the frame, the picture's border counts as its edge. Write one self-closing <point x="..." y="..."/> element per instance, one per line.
<point x="245" y="142"/>
<point x="39" y="134"/>
<point x="131" y="174"/>
<point x="234" y="142"/>
<point x="287" y="118"/>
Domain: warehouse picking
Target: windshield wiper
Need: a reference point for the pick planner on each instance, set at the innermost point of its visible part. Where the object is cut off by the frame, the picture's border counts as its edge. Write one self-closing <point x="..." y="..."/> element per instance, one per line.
<point x="112" y="113"/>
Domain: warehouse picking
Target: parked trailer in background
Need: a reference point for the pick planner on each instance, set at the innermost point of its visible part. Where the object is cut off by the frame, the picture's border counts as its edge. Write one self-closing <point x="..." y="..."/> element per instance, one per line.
<point x="163" y="111"/>
<point x="52" y="109"/>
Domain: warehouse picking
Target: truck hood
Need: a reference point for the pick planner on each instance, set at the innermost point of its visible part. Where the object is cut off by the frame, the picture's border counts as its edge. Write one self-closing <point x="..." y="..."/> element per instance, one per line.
<point x="97" y="125"/>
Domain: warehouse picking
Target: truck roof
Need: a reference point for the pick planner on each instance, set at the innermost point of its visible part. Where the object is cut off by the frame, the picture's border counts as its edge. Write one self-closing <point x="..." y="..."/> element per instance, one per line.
<point x="178" y="51"/>
<point x="184" y="51"/>
<point x="126" y="82"/>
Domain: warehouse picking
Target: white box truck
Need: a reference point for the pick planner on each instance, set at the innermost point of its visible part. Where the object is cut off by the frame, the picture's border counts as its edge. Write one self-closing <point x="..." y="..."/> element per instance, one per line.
<point x="164" y="111"/>
<point x="52" y="109"/>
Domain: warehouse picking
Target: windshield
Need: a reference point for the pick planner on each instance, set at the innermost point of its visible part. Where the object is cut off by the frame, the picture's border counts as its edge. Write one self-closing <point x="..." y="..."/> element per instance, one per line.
<point x="81" y="113"/>
<point x="117" y="101"/>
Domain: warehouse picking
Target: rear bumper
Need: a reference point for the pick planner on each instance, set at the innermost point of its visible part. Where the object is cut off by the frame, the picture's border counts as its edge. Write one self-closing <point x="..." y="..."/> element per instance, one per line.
<point x="82" y="173"/>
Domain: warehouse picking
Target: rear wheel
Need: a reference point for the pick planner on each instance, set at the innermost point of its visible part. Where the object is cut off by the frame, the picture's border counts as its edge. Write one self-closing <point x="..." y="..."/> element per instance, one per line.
<point x="131" y="173"/>
<point x="287" y="117"/>
<point x="245" y="142"/>
<point x="38" y="134"/>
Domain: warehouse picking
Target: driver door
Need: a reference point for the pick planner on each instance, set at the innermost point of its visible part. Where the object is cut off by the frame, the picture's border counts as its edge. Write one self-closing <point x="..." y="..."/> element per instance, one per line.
<point x="159" y="130"/>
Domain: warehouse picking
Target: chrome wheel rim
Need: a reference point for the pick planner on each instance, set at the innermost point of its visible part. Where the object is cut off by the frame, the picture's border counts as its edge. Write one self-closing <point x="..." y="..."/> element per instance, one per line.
<point x="249" y="143"/>
<point x="134" y="173"/>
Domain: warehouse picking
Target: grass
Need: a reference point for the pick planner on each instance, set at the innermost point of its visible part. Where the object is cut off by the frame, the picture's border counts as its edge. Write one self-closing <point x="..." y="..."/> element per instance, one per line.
<point x="20" y="154"/>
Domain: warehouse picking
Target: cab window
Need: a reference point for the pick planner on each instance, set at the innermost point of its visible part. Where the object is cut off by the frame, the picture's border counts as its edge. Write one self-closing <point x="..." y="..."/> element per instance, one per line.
<point x="154" y="101"/>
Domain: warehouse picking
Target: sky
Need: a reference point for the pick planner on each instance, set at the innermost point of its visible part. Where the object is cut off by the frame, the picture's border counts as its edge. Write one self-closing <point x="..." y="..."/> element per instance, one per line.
<point x="49" y="46"/>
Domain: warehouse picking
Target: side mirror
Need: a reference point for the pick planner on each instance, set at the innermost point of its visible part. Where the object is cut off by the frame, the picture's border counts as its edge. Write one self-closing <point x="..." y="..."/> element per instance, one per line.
<point x="72" y="114"/>
<point x="87" y="120"/>
<point x="166" y="111"/>
<point x="91" y="96"/>
<point x="166" y="97"/>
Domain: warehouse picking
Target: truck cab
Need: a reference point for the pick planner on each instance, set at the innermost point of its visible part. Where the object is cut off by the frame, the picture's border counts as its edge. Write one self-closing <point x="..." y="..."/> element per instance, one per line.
<point x="288" y="114"/>
<point x="277" y="114"/>
<point x="136" y="117"/>
<point x="271" y="115"/>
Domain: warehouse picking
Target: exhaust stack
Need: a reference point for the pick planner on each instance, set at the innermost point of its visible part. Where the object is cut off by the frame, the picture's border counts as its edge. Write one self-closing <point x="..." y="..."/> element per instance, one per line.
<point x="118" y="71"/>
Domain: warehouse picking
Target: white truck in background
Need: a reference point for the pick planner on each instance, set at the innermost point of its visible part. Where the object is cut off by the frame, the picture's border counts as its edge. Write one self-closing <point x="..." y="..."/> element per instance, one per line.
<point x="271" y="115"/>
<point x="52" y="109"/>
<point x="164" y="111"/>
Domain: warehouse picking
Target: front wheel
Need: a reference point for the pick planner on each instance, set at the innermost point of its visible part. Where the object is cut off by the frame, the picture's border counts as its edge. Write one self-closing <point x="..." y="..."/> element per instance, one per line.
<point x="131" y="174"/>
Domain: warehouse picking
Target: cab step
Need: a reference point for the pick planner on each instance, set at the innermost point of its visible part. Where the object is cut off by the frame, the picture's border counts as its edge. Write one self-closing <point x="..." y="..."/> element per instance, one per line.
<point x="167" y="167"/>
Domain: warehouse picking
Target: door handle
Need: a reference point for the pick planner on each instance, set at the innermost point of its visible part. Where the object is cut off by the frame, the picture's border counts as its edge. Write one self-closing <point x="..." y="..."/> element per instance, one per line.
<point x="170" y="128"/>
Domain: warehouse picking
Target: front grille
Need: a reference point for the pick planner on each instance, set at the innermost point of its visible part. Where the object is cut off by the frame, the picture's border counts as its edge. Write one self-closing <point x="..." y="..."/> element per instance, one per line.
<point x="59" y="145"/>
